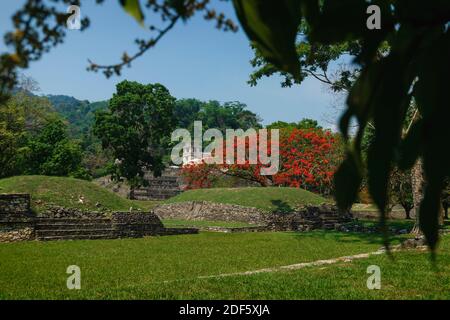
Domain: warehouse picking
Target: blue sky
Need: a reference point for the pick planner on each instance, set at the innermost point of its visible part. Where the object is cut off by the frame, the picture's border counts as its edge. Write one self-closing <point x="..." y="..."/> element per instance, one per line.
<point x="193" y="60"/>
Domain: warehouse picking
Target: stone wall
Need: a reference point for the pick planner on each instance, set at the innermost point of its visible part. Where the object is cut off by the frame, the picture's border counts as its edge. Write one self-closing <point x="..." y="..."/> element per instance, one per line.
<point x="14" y="204"/>
<point x="54" y="225"/>
<point x="301" y="219"/>
<point x="55" y="212"/>
<point x="15" y="235"/>
<point x="205" y="210"/>
<point x="132" y="225"/>
<point x="309" y="218"/>
<point x="158" y="188"/>
<point x="16" y="218"/>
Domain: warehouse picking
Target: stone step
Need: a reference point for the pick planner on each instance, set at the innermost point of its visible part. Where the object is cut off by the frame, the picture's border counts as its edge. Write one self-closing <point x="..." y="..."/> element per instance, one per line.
<point x="331" y="221"/>
<point x="156" y="192"/>
<point x="155" y="196"/>
<point x="158" y="188"/>
<point x="161" y="183"/>
<point x="72" y="226"/>
<point x="57" y="232"/>
<point x="64" y="221"/>
<point x="75" y="237"/>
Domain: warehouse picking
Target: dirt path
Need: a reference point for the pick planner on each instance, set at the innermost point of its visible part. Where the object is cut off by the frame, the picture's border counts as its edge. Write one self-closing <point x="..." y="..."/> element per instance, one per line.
<point x="298" y="265"/>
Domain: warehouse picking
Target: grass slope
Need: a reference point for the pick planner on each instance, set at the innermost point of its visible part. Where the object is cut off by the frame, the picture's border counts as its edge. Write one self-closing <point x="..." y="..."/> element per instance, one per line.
<point x="64" y="192"/>
<point x="137" y="268"/>
<point x="270" y="199"/>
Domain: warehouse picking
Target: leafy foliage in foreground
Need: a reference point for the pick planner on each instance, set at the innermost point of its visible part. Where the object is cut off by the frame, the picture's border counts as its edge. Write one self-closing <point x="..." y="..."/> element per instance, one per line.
<point x="413" y="68"/>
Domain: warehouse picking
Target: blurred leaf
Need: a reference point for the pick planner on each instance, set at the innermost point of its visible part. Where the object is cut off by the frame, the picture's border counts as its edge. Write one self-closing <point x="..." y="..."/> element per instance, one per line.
<point x="431" y="93"/>
<point x="272" y="26"/>
<point x="389" y="104"/>
<point x="423" y="12"/>
<point x="410" y="147"/>
<point x="311" y="11"/>
<point x="133" y="8"/>
<point x="340" y="21"/>
<point x="347" y="180"/>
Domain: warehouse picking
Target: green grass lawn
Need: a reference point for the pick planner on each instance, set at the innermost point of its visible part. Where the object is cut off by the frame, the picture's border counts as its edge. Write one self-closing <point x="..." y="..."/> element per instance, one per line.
<point x="269" y="199"/>
<point x="138" y="268"/>
<point x="177" y="223"/>
<point x="397" y="224"/>
<point x="146" y="205"/>
<point x="409" y="275"/>
<point x="65" y="192"/>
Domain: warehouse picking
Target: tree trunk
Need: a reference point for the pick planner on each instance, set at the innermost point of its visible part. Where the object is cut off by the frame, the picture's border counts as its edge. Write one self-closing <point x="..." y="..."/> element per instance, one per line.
<point x="407" y="213"/>
<point x="417" y="181"/>
<point x="441" y="214"/>
<point x="445" y="205"/>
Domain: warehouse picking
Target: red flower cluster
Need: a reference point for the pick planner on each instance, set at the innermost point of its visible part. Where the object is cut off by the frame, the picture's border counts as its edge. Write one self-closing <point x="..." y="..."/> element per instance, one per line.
<point x="308" y="160"/>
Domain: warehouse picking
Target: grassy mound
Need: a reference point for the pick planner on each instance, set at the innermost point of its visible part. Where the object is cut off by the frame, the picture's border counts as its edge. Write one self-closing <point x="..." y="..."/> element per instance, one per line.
<point x="64" y="192"/>
<point x="269" y="199"/>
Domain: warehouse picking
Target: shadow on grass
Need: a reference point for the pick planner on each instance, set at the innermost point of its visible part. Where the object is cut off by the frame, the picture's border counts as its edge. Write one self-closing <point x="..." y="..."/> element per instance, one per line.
<point x="396" y="224"/>
<point x="350" y="237"/>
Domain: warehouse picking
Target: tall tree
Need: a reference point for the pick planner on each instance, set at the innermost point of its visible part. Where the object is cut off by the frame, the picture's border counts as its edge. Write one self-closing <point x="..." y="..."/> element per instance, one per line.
<point x="52" y="153"/>
<point x="134" y="128"/>
<point x="305" y="123"/>
<point x="213" y="114"/>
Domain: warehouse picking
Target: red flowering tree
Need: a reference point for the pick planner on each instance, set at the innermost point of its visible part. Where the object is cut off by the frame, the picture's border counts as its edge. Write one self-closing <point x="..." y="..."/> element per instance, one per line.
<point x="308" y="159"/>
<point x="203" y="175"/>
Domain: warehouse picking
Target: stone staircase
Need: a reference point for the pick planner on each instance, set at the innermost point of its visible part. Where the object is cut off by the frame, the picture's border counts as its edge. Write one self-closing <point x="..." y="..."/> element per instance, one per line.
<point x="330" y="221"/>
<point x="326" y="217"/>
<point x="72" y="228"/>
<point x="159" y="188"/>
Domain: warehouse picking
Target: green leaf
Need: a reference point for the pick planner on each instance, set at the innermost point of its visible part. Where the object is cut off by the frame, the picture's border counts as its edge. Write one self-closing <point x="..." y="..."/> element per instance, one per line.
<point x="347" y="180"/>
<point x="272" y="27"/>
<point x="133" y="8"/>
<point x="340" y="20"/>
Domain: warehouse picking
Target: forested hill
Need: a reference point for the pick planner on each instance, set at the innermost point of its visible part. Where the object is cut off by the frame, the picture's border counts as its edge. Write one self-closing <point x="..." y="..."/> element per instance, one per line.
<point x="213" y="114"/>
<point x="79" y="113"/>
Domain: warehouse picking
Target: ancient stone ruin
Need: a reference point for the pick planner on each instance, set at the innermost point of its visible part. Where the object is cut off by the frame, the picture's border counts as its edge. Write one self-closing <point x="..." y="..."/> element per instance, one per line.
<point x="16" y="220"/>
<point x="158" y="188"/>
<point x="169" y="184"/>
<point x="303" y="218"/>
<point x="19" y="223"/>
